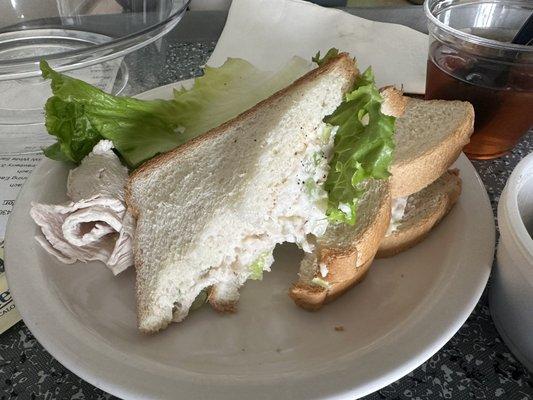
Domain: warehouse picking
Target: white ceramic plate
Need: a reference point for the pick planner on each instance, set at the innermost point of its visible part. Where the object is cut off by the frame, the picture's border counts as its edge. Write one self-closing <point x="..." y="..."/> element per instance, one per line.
<point x="406" y="309"/>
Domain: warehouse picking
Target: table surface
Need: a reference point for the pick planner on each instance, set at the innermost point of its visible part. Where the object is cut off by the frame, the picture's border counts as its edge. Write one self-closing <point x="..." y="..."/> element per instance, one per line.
<point x="474" y="364"/>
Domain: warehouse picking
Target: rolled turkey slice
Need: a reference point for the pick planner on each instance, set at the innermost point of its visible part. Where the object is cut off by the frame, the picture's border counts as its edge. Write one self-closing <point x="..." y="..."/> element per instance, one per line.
<point x="95" y="225"/>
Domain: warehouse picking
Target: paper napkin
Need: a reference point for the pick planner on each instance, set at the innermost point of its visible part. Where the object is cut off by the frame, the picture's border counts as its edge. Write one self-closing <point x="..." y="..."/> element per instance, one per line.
<point x="269" y="32"/>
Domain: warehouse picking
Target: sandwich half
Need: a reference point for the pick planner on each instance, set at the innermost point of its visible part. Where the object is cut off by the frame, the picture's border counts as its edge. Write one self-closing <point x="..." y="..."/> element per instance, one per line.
<point x="429" y="137"/>
<point x="210" y="212"/>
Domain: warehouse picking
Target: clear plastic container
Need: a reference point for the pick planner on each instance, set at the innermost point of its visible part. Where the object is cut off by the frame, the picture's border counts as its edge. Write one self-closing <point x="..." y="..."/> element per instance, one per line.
<point x="471" y="58"/>
<point x="73" y="34"/>
<point x="87" y="39"/>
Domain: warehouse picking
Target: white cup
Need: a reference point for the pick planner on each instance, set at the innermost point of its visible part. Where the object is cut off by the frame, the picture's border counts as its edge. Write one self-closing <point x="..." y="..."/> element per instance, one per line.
<point x="511" y="293"/>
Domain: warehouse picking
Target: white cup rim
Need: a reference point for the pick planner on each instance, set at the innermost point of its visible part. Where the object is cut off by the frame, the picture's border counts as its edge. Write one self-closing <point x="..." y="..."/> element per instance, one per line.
<point x="509" y="218"/>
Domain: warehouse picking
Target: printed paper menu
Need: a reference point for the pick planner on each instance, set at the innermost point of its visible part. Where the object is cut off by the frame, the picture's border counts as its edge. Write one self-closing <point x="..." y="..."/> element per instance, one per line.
<point x="9" y="315"/>
<point x="14" y="170"/>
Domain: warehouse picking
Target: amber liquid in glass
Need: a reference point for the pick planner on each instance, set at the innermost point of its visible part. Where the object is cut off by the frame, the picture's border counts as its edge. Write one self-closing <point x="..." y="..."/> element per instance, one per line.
<point x="502" y="98"/>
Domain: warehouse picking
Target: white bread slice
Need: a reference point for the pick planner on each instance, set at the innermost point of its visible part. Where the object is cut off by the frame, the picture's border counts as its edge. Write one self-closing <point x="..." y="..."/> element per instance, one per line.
<point x="423" y="211"/>
<point x="429" y="137"/>
<point x="206" y="210"/>
<point x="345" y="252"/>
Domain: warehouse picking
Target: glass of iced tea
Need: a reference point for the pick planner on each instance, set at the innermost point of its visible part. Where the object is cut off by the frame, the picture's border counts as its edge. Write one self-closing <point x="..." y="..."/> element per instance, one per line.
<point x="471" y="58"/>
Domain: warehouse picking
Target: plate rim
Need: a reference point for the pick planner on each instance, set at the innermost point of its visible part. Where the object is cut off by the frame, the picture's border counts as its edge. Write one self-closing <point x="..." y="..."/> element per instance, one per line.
<point x="127" y="391"/>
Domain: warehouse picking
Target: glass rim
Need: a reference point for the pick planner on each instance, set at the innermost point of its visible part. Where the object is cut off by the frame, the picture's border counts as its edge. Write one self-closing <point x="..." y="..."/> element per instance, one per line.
<point x="468" y="37"/>
<point x="95" y="54"/>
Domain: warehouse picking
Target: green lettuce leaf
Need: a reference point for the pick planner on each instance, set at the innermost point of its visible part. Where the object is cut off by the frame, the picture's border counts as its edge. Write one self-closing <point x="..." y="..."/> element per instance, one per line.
<point x="332" y="53"/>
<point x="80" y="115"/>
<point x="363" y="148"/>
<point x="223" y="93"/>
<point x="257" y="267"/>
<point x="320" y="282"/>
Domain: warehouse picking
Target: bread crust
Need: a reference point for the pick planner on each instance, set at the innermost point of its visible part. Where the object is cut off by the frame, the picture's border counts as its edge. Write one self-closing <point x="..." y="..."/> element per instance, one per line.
<point x="405" y="239"/>
<point x="308" y="297"/>
<point x="356" y="277"/>
<point x="312" y="297"/>
<point x="394" y="102"/>
<point x="223" y="307"/>
<point x="413" y="175"/>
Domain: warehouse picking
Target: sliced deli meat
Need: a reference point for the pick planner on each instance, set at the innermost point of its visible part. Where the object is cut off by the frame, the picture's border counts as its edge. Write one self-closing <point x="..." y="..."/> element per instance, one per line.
<point x="95" y="225"/>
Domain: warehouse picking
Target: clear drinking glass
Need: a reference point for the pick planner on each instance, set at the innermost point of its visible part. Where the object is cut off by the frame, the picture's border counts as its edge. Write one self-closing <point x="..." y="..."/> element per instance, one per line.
<point x="93" y="40"/>
<point x="471" y="58"/>
<point x="73" y="34"/>
<point x="87" y="37"/>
